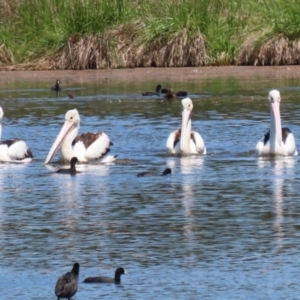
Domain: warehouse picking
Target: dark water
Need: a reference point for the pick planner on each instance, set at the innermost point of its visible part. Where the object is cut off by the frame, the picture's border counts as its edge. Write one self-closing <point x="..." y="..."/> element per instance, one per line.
<point x="223" y="226"/>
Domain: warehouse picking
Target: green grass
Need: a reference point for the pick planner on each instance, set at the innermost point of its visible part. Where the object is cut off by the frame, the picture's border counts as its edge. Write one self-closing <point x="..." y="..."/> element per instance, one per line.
<point x="43" y="26"/>
<point x="284" y="16"/>
<point x="35" y="29"/>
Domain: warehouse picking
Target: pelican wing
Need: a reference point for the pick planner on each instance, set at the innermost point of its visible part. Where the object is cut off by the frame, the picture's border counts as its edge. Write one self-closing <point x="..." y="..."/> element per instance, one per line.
<point x="172" y="140"/>
<point x="263" y="146"/>
<point x="197" y="143"/>
<point x="289" y="142"/>
<point x="260" y="147"/>
<point x="15" y="150"/>
<point x="93" y="145"/>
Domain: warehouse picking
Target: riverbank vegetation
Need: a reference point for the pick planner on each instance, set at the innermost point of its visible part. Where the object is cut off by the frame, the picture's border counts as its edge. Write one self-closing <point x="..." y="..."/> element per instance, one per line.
<point x="94" y="34"/>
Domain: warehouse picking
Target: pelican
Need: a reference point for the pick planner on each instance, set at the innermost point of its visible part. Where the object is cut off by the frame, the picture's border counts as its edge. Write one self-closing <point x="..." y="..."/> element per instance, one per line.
<point x="87" y="147"/>
<point x="184" y="140"/>
<point x="14" y="150"/>
<point x="277" y="140"/>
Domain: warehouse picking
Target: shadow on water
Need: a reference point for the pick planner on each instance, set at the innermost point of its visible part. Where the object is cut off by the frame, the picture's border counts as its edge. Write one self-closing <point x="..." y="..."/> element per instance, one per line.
<point x="224" y="225"/>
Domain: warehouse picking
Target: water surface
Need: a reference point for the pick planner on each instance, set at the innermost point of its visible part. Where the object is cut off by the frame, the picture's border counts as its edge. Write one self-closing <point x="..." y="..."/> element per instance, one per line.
<point x="222" y="226"/>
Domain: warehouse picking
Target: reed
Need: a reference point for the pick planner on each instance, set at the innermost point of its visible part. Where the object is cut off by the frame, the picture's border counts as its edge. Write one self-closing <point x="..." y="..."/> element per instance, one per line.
<point x="81" y="34"/>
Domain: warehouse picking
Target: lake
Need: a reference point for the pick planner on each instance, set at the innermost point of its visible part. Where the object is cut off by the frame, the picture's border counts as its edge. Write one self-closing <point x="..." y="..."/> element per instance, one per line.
<point x="221" y="226"/>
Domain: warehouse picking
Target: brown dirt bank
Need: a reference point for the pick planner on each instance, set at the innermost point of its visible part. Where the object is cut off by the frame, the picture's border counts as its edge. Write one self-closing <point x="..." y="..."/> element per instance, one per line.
<point x="152" y="74"/>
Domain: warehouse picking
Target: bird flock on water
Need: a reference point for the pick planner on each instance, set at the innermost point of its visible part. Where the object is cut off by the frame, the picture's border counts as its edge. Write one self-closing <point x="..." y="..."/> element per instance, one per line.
<point x="88" y="147"/>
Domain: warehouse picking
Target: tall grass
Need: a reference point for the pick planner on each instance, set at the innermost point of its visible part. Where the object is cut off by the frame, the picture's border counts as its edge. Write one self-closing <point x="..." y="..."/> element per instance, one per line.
<point x="43" y="26"/>
<point x="89" y="17"/>
<point x="284" y="17"/>
<point x="217" y="22"/>
<point x="35" y="29"/>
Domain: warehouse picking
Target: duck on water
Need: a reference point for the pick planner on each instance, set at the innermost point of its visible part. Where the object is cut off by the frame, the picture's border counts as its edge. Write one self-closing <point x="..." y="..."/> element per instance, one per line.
<point x="164" y="173"/>
<point x="156" y="93"/>
<point x="72" y="170"/>
<point x="56" y="87"/>
<point x="104" y="279"/>
<point x="67" y="284"/>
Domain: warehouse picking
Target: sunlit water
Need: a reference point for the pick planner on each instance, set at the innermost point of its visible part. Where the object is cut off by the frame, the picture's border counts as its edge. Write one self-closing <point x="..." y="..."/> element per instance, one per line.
<point x="223" y="226"/>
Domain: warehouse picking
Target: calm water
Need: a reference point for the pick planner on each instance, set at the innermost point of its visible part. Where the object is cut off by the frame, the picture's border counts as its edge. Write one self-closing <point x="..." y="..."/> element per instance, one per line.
<point x="223" y="226"/>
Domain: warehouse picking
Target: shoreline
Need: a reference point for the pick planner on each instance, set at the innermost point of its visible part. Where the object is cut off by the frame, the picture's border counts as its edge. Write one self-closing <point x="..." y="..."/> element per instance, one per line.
<point x="153" y="74"/>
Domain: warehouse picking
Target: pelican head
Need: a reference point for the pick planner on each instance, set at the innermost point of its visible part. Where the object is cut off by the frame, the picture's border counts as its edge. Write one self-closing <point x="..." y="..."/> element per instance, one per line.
<point x="274" y="96"/>
<point x="66" y="135"/>
<point x="72" y="116"/>
<point x="187" y="103"/>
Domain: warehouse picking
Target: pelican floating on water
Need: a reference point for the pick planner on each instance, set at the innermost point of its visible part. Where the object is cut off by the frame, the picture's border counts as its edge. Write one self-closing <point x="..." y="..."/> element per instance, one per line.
<point x="277" y="140"/>
<point x="184" y="140"/>
<point x="14" y="150"/>
<point x="86" y="147"/>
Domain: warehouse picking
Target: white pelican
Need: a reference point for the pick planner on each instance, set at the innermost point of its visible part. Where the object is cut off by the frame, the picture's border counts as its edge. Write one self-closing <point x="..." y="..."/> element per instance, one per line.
<point x="14" y="150"/>
<point x="184" y="140"/>
<point x="277" y="140"/>
<point x="86" y="147"/>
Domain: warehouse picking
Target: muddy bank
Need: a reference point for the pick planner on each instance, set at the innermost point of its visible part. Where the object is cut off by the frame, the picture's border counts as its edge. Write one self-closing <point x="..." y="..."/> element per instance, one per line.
<point x="152" y="74"/>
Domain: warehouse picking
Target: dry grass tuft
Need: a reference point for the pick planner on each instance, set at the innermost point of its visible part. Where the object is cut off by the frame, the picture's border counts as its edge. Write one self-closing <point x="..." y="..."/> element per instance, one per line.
<point x="276" y="51"/>
<point x="6" y="57"/>
<point x="248" y="51"/>
<point x="120" y="48"/>
<point x="177" y="52"/>
<point x="222" y="59"/>
<point x="8" y="8"/>
<point x="79" y="53"/>
<point x="112" y="50"/>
